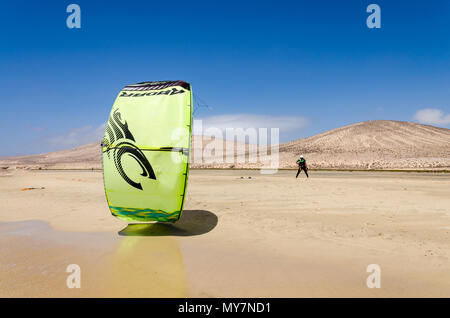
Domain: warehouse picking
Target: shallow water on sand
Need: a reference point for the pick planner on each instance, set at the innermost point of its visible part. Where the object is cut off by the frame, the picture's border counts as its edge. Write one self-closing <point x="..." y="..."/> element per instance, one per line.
<point x="35" y="258"/>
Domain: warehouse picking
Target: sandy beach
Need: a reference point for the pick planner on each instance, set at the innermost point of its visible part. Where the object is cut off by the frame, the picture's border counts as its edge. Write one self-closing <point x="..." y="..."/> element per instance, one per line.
<point x="268" y="236"/>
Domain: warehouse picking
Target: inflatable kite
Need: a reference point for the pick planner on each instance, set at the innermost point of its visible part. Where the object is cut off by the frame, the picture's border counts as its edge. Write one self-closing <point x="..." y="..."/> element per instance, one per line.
<point x="145" y="151"/>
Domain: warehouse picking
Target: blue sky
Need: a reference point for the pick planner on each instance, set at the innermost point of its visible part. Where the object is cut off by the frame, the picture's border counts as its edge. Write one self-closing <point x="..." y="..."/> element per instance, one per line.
<point x="315" y="62"/>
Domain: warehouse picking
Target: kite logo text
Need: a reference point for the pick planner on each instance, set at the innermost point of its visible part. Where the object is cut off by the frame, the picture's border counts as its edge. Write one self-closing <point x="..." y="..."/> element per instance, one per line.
<point x="170" y="92"/>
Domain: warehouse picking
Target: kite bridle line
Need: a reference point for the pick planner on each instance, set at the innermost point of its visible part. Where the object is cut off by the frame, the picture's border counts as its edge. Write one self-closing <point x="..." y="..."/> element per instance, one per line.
<point x="199" y="103"/>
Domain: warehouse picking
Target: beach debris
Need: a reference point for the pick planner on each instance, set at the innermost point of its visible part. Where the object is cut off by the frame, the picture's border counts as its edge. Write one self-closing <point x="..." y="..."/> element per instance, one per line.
<point x="26" y="189"/>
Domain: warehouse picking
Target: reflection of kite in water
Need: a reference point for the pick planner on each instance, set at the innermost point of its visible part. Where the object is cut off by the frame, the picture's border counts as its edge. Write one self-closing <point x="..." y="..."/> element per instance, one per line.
<point x="163" y="258"/>
<point x="146" y="151"/>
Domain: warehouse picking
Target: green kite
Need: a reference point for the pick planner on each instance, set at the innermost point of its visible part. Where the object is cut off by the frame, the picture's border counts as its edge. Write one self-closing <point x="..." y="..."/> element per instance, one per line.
<point x="145" y="151"/>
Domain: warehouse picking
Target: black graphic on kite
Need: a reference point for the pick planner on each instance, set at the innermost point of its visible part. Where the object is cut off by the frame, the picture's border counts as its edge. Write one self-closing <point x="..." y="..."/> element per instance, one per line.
<point x="121" y="142"/>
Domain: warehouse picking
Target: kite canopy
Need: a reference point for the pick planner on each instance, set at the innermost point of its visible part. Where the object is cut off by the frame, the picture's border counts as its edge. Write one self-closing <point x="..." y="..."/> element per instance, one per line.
<point x="145" y="151"/>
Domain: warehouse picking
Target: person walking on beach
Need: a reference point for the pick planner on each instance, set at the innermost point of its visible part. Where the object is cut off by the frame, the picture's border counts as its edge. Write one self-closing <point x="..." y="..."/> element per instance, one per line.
<point x="301" y="162"/>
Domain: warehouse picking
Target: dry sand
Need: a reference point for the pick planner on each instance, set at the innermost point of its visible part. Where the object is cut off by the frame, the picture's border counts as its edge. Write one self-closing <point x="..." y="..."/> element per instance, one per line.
<point x="268" y="236"/>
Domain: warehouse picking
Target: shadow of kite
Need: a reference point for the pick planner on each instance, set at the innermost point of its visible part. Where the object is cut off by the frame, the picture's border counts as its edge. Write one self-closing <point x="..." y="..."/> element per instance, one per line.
<point x="192" y="222"/>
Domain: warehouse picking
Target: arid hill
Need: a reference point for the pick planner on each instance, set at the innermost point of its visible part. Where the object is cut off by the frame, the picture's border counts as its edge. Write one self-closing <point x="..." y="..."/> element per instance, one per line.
<point x="83" y="157"/>
<point x="380" y="144"/>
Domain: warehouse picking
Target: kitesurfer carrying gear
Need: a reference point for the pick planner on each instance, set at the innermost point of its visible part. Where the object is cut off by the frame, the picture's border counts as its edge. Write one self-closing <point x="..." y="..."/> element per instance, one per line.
<point x="301" y="162"/>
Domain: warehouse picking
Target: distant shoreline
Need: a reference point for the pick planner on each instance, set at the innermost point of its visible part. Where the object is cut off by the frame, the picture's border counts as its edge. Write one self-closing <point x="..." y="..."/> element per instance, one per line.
<point x="282" y="169"/>
<point x="380" y="145"/>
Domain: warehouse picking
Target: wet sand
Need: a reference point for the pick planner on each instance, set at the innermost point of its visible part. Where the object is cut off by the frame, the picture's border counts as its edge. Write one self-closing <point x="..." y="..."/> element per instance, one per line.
<point x="268" y="236"/>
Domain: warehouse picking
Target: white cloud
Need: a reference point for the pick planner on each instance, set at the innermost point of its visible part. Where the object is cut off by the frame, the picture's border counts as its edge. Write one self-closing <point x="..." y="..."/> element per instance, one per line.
<point x="284" y="123"/>
<point x="77" y="137"/>
<point x="432" y="116"/>
<point x="287" y="125"/>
